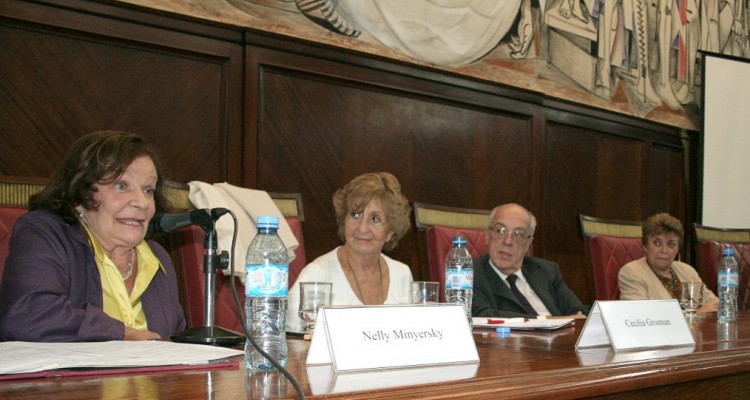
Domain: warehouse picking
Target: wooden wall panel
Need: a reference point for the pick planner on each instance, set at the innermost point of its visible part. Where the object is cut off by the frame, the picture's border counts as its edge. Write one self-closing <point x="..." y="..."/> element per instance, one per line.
<point x="667" y="189"/>
<point x="59" y="84"/>
<point x="588" y="172"/>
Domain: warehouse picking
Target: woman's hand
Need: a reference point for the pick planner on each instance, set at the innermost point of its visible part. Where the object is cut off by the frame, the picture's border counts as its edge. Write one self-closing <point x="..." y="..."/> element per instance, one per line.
<point x="710" y="307"/>
<point x="137" y="334"/>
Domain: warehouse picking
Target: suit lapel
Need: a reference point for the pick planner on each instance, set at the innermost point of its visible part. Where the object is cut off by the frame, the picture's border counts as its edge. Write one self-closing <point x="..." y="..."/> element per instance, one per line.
<point x="502" y="293"/>
<point x="536" y="279"/>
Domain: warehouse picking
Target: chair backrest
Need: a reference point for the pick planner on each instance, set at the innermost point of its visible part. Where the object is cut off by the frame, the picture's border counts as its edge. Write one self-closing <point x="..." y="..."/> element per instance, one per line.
<point x="710" y="243"/>
<point x="441" y="225"/>
<point x="190" y="269"/>
<point x="612" y="244"/>
<point x="14" y="198"/>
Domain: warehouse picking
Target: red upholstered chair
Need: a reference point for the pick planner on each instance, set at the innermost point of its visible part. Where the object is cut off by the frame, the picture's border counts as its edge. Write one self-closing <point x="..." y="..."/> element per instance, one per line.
<point x="710" y="243"/>
<point x="612" y="244"/>
<point x="608" y="255"/>
<point x="8" y="217"/>
<point x="441" y="225"/>
<point x="14" y="197"/>
<point x="192" y="278"/>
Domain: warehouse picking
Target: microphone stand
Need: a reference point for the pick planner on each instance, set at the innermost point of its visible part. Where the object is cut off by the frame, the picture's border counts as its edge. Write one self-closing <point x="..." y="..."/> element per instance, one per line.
<point x="210" y="334"/>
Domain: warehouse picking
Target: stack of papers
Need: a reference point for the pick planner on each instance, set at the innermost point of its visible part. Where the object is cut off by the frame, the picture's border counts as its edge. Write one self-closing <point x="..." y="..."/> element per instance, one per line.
<point x="28" y="357"/>
<point x="522" y="323"/>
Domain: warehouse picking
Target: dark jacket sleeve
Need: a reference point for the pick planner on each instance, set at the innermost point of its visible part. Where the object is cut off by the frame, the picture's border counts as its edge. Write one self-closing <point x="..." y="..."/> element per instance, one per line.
<point x="547" y="281"/>
<point x="51" y="290"/>
<point x="161" y="301"/>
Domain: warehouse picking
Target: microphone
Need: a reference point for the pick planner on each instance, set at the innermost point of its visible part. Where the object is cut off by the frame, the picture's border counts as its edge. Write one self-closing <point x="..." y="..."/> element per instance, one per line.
<point x="166" y="223"/>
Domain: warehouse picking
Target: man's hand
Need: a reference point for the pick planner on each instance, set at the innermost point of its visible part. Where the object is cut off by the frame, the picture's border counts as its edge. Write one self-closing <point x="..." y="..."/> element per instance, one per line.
<point x="579" y="315"/>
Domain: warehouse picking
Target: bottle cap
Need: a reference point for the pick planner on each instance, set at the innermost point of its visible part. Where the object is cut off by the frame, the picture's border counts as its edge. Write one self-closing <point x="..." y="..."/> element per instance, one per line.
<point x="460" y="240"/>
<point x="267" y="221"/>
<point x="502" y="331"/>
<point x="728" y="251"/>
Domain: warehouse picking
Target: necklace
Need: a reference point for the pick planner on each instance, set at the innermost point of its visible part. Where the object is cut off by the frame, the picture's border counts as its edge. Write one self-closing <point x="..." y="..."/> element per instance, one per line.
<point x="356" y="280"/>
<point x="131" y="264"/>
<point x="671" y="283"/>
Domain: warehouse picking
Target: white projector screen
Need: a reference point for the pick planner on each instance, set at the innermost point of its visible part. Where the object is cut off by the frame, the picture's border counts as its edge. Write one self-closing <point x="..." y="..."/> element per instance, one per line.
<point x="726" y="141"/>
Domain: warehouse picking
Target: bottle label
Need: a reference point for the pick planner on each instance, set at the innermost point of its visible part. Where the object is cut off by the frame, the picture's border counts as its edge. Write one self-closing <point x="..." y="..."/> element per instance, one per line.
<point x="267" y="280"/>
<point x="728" y="279"/>
<point x="459" y="279"/>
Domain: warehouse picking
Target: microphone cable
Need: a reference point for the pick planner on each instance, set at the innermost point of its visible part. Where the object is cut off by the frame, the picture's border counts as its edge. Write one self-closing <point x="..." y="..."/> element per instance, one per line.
<point x="243" y="318"/>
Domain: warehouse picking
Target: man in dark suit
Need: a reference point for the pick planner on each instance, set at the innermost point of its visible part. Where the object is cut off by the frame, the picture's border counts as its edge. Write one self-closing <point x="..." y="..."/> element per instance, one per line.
<point x="507" y="283"/>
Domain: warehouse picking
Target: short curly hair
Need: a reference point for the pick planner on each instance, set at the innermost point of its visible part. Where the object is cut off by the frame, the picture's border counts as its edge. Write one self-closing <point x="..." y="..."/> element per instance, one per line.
<point x="99" y="157"/>
<point x="661" y="223"/>
<point x="374" y="185"/>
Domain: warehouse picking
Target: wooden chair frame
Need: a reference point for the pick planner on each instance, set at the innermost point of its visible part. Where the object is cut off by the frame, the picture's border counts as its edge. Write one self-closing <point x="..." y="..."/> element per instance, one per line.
<point x="591" y="226"/>
<point x="705" y="233"/>
<point x="427" y="215"/>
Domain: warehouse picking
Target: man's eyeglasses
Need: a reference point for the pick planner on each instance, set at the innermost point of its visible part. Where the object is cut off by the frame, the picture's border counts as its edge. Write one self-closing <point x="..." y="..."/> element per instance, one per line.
<point x="499" y="231"/>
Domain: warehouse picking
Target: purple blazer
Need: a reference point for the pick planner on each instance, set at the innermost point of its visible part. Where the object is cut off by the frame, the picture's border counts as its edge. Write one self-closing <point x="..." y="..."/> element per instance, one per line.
<point x="51" y="290"/>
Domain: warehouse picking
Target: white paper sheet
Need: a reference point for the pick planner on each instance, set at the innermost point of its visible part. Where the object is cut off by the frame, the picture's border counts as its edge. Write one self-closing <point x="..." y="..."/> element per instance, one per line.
<point x="26" y="357"/>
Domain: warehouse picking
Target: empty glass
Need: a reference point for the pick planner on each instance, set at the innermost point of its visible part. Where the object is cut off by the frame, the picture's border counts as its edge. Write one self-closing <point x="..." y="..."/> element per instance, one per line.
<point x="691" y="296"/>
<point x="313" y="295"/>
<point x="423" y="292"/>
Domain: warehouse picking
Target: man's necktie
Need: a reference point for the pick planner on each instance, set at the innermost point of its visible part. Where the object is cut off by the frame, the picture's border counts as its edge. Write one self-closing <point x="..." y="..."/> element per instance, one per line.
<point x="521" y="298"/>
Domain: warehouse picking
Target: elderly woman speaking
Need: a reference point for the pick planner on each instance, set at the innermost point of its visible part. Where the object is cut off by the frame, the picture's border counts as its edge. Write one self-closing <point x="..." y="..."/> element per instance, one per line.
<point x="372" y="216"/>
<point x="79" y="268"/>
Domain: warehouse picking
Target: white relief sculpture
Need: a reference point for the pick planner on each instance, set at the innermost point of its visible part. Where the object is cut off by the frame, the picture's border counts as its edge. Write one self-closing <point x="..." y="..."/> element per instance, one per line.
<point x="648" y="47"/>
<point x="443" y="32"/>
<point x="736" y="42"/>
<point x="575" y="9"/>
<point x="520" y="43"/>
<point x="643" y="84"/>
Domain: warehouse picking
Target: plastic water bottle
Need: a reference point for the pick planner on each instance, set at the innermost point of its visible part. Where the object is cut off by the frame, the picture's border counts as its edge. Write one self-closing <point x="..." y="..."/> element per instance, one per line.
<point x="728" y="286"/>
<point x="266" y="289"/>
<point x="459" y="275"/>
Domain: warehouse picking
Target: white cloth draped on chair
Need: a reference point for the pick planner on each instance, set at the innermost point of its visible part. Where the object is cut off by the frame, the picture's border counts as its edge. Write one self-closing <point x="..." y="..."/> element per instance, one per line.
<point x="247" y="205"/>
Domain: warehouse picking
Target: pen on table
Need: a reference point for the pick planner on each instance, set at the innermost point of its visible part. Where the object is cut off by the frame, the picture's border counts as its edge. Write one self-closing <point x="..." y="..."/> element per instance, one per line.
<point x="491" y="321"/>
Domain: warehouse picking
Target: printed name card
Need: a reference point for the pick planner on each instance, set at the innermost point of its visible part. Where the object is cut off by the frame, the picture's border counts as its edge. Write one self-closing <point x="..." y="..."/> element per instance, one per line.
<point x="636" y="324"/>
<point x="391" y="336"/>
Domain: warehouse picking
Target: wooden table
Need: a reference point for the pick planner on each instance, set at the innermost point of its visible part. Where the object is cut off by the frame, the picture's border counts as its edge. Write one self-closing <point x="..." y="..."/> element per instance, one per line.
<point x="524" y="365"/>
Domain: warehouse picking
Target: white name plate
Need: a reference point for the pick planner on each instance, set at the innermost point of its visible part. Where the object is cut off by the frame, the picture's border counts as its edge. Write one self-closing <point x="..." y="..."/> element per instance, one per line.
<point x="391" y="336"/>
<point x="635" y="325"/>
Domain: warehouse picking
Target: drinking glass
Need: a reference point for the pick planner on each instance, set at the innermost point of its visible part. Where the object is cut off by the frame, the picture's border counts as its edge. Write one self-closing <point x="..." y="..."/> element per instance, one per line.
<point x="313" y="295"/>
<point x="691" y="296"/>
<point x="423" y="292"/>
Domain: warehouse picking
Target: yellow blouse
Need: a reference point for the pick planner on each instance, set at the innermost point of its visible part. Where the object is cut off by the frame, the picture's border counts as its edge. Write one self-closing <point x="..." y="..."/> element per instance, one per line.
<point x="116" y="301"/>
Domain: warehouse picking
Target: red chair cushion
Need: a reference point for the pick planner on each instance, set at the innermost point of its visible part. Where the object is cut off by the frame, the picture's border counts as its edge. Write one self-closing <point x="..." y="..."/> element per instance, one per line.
<point x="8" y="217"/>
<point x="608" y="255"/>
<point x="299" y="262"/>
<point x="710" y="256"/>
